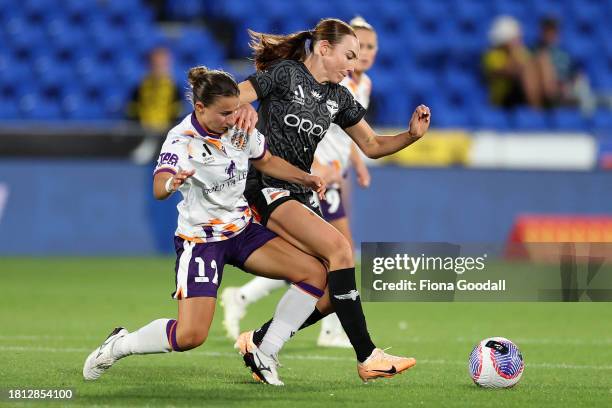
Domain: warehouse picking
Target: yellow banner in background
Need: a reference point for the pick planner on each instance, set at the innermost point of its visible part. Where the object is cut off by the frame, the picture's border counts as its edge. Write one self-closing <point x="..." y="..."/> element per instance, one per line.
<point x="436" y="149"/>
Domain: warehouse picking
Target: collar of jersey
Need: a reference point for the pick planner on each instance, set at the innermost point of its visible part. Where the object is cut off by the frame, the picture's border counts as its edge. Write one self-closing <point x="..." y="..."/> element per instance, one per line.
<point x="201" y="130"/>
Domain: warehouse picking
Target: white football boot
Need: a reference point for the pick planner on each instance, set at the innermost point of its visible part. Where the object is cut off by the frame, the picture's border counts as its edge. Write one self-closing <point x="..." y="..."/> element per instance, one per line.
<point x="234" y="309"/>
<point x="102" y="358"/>
<point x="263" y="367"/>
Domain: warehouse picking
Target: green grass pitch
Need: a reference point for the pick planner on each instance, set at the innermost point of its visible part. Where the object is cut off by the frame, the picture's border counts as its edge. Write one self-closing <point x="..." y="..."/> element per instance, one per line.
<point x="54" y="311"/>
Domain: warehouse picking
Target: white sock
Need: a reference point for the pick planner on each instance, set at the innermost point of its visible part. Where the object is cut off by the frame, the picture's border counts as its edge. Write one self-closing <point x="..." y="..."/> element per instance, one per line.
<point x="258" y="288"/>
<point x="291" y="312"/>
<point x="331" y="324"/>
<point x="149" y="339"/>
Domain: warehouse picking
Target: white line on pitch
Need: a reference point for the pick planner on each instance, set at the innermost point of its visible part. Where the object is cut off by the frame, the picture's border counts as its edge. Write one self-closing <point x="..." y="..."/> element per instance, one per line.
<point x="519" y="341"/>
<point x="308" y="357"/>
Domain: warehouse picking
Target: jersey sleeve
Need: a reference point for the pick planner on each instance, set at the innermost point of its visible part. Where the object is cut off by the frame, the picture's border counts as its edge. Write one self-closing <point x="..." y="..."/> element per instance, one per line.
<point x="350" y="112"/>
<point x="267" y="81"/>
<point x="174" y="154"/>
<point x="367" y="93"/>
<point x="257" y="145"/>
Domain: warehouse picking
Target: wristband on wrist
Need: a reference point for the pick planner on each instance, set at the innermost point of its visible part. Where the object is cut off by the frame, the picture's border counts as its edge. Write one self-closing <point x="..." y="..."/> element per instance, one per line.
<point x="168" y="185"/>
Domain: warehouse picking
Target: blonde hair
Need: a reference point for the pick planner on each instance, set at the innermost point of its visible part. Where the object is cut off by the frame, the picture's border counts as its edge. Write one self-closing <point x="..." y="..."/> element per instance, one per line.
<point x="359" y="22"/>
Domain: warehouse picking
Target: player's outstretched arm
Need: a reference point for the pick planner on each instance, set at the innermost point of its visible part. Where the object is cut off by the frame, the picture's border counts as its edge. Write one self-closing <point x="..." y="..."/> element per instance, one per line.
<point x="164" y="184"/>
<point x="278" y="168"/>
<point x="361" y="170"/>
<point x="375" y="146"/>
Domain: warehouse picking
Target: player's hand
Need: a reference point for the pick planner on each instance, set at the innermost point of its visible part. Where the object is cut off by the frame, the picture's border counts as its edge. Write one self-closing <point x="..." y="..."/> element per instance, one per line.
<point x="363" y="176"/>
<point x="179" y="179"/>
<point x="246" y="117"/>
<point x="419" y="122"/>
<point x="316" y="184"/>
<point x="330" y="174"/>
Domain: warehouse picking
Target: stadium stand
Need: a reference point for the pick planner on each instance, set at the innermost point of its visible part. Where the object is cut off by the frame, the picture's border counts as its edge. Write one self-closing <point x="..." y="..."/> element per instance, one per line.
<point x="54" y="56"/>
<point x="79" y="59"/>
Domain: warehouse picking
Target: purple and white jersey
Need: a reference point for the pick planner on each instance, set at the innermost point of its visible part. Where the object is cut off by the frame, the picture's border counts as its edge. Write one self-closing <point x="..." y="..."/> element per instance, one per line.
<point x="335" y="148"/>
<point x="213" y="206"/>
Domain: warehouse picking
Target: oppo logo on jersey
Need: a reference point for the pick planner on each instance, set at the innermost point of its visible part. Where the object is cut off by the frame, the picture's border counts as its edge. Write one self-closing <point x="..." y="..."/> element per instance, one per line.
<point x="304" y="125"/>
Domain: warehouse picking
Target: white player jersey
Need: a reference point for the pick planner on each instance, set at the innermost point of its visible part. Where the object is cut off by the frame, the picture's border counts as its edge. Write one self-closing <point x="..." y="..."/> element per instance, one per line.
<point x="213" y="206"/>
<point x="335" y="148"/>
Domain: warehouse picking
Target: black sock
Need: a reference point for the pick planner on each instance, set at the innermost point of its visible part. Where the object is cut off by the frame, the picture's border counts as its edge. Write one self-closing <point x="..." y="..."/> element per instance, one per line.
<point x="314" y="317"/>
<point x="347" y="304"/>
<point x="259" y="334"/>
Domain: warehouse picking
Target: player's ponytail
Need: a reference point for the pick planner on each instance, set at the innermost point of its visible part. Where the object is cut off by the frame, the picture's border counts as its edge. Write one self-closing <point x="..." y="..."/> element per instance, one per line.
<point x="207" y="85"/>
<point x="269" y="48"/>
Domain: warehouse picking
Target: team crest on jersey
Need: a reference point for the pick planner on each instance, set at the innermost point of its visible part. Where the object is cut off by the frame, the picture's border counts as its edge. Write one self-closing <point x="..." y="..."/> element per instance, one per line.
<point x="316" y="95"/>
<point x="332" y="108"/>
<point x="239" y="139"/>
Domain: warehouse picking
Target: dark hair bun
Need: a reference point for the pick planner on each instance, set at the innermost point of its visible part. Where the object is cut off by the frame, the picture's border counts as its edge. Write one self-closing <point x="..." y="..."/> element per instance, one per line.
<point x="209" y="84"/>
<point x="197" y="74"/>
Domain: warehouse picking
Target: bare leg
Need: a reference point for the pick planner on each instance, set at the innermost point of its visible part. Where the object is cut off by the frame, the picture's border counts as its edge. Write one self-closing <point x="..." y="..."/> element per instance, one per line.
<point x="194" y="319"/>
<point x="531" y="84"/>
<point x="279" y="259"/>
<point x="307" y="231"/>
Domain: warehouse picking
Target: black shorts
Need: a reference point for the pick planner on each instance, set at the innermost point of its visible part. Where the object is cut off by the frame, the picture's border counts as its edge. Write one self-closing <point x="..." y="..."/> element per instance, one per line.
<point x="264" y="200"/>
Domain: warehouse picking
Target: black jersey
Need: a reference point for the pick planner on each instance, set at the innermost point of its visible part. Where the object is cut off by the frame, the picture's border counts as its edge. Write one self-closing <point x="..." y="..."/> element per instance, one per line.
<point x="295" y="112"/>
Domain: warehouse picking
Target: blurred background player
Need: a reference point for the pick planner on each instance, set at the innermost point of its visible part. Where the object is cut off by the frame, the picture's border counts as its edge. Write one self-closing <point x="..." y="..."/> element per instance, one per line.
<point x="332" y="158"/>
<point x="206" y="158"/>
<point x="156" y="104"/>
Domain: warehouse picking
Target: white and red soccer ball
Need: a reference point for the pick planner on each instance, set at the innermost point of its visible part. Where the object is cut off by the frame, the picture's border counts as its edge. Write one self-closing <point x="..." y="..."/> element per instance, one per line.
<point x="496" y="362"/>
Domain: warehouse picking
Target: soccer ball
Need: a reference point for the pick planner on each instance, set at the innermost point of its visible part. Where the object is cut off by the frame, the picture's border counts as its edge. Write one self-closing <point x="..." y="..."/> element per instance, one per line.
<point x="496" y="362"/>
